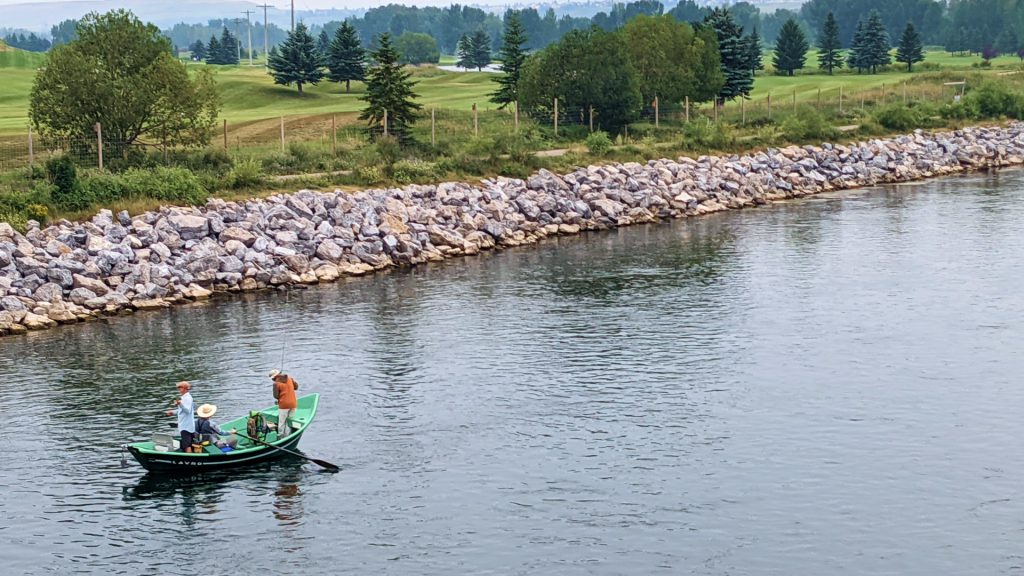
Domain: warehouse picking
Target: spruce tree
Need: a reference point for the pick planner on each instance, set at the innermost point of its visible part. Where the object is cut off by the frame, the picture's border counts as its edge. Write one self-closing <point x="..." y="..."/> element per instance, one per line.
<point x="739" y="80"/>
<point x="228" y="48"/>
<point x="213" y="54"/>
<point x="910" y="50"/>
<point x="297" y="61"/>
<point x="388" y="88"/>
<point x="198" y="50"/>
<point x="876" y="43"/>
<point x="346" y="58"/>
<point x="323" y="42"/>
<point x="830" y="56"/>
<point x="480" y="44"/>
<point x="512" y="57"/>
<point x="755" y="59"/>
<point x="790" y="48"/>
<point x="858" y="50"/>
<point x="464" y="50"/>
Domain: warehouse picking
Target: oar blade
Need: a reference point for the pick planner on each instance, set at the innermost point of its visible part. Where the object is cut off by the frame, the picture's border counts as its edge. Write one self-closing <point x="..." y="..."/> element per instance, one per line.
<point x="326" y="465"/>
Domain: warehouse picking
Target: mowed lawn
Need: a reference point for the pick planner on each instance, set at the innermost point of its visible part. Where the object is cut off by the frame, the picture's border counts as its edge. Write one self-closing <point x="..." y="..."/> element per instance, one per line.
<point x="253" y="104"/>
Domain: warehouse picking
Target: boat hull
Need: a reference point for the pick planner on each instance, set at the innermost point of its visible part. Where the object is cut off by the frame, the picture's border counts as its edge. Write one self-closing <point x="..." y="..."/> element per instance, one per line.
<point x="184" y="463"/>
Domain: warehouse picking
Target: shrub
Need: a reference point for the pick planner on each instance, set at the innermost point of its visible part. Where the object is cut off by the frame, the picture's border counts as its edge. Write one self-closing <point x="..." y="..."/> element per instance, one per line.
<point x="412" y="170"/>
<point x="598" y="143"/>
<point x="247" y="173"/>
<point x="963" y="110"/>
<point x="102" y="187"/>
<point x="995" y="99"/>
<point x="902" y="117"/>
<point x="38" y="212"/>
<point x="809" y="124"/>
<point x="369" y="174"/>
<point x="707" y="134"/>
<point x="64" y="176"/>
<point x="162" y="183"/>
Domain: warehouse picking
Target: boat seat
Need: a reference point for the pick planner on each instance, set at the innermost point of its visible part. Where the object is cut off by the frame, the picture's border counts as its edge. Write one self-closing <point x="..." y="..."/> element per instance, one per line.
<point x="164" y="442"/>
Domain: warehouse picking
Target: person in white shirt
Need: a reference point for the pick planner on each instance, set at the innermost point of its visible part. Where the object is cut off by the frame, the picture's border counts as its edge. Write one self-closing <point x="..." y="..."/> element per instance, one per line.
<point x="186" y="416"/>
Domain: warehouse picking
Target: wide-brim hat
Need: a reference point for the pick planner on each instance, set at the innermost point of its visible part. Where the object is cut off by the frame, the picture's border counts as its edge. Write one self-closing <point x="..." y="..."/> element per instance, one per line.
<point x="206" y="411"/>
<point x="274" y="373"/>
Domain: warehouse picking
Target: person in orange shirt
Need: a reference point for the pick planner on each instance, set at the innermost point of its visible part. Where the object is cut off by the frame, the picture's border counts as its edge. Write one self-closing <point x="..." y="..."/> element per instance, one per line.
<point x="284" y="393"/>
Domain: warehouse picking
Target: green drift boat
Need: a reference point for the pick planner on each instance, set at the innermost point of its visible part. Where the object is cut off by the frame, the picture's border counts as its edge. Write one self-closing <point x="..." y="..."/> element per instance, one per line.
<point x="158" y="455"/>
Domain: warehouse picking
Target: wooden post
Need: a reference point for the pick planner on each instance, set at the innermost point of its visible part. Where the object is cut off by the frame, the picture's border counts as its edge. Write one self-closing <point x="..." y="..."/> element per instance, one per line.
<point x="591" y="118"/>
<point x="743" y="110"/>
<point x="687" y="109"/>
<point x="861" y="100"/>
<point x="840" y="98"/>
<point x="556" y="117"/>
<point x="31" y="148"/>
<point x="515" y="116"/>
<point x="769" y="106"/>
<point x="794" y="101"/>
<point x="433" y="128"/>
<point x="656" y="115"/>
<point x="904" y="92"/>
<point x="476" y="125"/>
<point x="385" y="123"/>
<point x="883" y="93"/>
<point x="819" y="98"/>
<point x="225" y="134"/>
<point x="99" y="144"/>
<point x="716" y="109"/>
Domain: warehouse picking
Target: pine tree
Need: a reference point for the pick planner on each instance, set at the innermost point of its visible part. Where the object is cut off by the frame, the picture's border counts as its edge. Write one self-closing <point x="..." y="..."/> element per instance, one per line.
<point x="198" y="50"/>
<point x="213" y="54"/>
<point x="876" y="43"/>
<point x="480" y="46"/>
<point x="512" y="57"/>
<point x="297" y="62"/>
<point x="790" y="48"/>
<point x="323" y="42"/>
<point x="464" y="50"/>
<point x="910" y="50"/>
<point x="858" y="50"/>
<point x="346" y="58"/>
<point x="739" y="80"/>
<point x="830" y="56"/>
<point x="755" y="59"/>
<point x="228" y="48"/>
<point x="388" y="88"/>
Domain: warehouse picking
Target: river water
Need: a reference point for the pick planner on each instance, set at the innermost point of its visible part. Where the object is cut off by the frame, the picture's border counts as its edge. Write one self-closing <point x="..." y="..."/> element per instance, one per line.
<point x="829" y="386"/>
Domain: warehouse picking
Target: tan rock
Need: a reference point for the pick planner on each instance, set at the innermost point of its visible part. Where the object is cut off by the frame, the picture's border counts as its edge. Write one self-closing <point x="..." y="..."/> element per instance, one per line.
<point x="36" y="322"/>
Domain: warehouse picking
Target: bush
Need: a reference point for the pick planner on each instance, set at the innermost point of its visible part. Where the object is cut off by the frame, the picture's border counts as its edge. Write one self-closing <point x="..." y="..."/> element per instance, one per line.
<point x="412" y="170"/>
<point x="369" y="174"/>
<point x="995" y="99"/>
<point x="64" y="176"/>
<point x="38" y="212"/>
<point x="963" y="110"/>
<point x="102" y="187"/>
<point x="247" y="173"/>
<point x="809" y="124"/>
<point x="162" y="183"/>
<point x="598" y="143"/>
<point x="707" y="134"/>
<point x="905" y="117"/>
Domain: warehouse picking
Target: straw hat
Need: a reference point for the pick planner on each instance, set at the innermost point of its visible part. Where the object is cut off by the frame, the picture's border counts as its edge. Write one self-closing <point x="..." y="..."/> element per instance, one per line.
<point x="206" y="411"/>
<point x="274" y="373"/>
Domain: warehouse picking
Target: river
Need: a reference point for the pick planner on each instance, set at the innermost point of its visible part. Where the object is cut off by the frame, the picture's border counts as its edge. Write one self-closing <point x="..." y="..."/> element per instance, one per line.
<point x="825" y="386"/>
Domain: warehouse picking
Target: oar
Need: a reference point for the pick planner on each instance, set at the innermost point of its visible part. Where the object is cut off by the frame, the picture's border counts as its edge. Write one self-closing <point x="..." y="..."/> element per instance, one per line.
<point x="321" y="463"/>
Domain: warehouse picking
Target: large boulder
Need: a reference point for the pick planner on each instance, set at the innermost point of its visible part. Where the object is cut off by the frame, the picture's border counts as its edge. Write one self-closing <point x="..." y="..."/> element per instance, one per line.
<point x="189" y="226"/>
<point x="238" y="234"/>
<point x="49" y="292"/>
<point x="92" y="284"/>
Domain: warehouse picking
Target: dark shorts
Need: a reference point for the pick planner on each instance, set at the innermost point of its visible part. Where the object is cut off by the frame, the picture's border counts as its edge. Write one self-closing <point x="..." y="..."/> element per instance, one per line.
<point x="187" y="438"/>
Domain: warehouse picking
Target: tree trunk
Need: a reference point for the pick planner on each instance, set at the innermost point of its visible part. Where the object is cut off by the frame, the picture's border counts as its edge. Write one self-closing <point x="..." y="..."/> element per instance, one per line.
<point x="348" y="86"/>
<point x="299" y="84"/>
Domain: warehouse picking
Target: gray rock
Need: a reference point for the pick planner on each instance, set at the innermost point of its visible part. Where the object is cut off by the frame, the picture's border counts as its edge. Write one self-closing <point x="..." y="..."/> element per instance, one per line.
<point x="189" y="226"/>
<point x="80" y="295"/>
<point x="49" y="292"/>
<point x="239" y="235"/>
<point x="96" y="286"/>
<point x="10" y="303"/>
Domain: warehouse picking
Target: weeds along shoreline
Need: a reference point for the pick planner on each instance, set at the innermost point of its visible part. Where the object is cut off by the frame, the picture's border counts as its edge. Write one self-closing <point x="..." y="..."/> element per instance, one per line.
<point x="115" y="264"/>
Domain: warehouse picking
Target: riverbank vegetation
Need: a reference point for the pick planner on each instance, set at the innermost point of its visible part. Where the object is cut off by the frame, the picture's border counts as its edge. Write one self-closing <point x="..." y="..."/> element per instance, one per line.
<point x="653" y="87"/>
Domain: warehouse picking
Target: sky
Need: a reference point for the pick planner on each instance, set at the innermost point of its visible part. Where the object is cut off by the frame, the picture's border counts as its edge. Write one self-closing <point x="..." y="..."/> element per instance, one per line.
<point x="314" y="4"/>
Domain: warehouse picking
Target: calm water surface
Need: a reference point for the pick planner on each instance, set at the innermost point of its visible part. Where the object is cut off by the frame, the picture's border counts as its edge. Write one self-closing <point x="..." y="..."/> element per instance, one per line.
<point x="832" y="386"/>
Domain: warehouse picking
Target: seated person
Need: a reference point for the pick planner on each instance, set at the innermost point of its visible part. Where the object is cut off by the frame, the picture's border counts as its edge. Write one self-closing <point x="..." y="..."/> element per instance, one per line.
<point x="206" y="430"/>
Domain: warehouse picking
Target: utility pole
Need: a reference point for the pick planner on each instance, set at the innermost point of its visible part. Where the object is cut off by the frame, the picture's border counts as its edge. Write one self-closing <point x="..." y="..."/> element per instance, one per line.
<point x="293" y="15"/>
<point x="248" y="26"/>
<point x="266" y="49"/>
<point x="238" y="43"/>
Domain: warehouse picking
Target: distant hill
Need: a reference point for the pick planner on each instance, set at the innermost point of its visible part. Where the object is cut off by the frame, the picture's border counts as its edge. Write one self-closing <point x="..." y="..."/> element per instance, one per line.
<point x="39" y="17"/>
<point x="14" y="58"/>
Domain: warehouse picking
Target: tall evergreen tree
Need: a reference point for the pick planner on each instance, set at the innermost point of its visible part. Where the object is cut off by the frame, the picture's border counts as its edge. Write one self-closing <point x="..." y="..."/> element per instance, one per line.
<point x="464" y="51"/>
<point x="346" y="58"/>
<point x="512" y="57"/>
<point x="858" y="49"/>
<point x="228" y="48"/>
<point x="910" y="50"/>
<point x="298" y="61"/>
<point x="213" y="53"/>
<point x="755" y="59"/>
<point x="480" y="44"/>
<point x="790" y="48"/>
<point x="198" y="50"/>
<point x="323" y="43"/>
<point x="830" y="55"/>
<point x="389" y="88"/>
<point x="876" y="43"/>
<point x="739" y="80"/>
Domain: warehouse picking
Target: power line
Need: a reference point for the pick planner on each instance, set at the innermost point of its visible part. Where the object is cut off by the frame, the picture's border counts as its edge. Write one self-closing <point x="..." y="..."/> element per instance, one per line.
<point x="266" y="50"/>
<point x="248" y="25"/>
<point x="238" y="43"/>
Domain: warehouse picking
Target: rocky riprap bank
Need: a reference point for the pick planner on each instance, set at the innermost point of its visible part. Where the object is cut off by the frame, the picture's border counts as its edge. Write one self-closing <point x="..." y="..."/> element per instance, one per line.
<point x="71" y="272"/>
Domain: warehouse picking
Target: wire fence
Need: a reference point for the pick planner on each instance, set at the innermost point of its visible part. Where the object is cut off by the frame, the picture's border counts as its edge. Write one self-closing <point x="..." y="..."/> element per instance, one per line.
<point x="443" y="128"/>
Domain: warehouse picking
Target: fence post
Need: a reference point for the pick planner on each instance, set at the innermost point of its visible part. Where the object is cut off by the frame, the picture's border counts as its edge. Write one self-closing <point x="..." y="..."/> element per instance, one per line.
<point x="883" y="94"/>
<point x="385" y="123"/>
<point x="225" y="134"/>
<point x="556" y="116"/>
<point x="687" y="109"/>
<point x="904" y="92"/>
<point x="515" y="116"/>
<point x="31" y="149"/>
<point x="861" y="100"/>
<point x="99" y="144"/>
<point x="819" y="98"/>
<point x="794" y="101"/>
<point x="656" y="115"/>
<point x="476" y="124"/>
<point x="282" y="133"/>
<point x="743" y="110"/>
<point x="334" y="135"/>
<point x="840" y="98"/>
<point x="769" y="106"/>
<point x="433" y="134"/>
